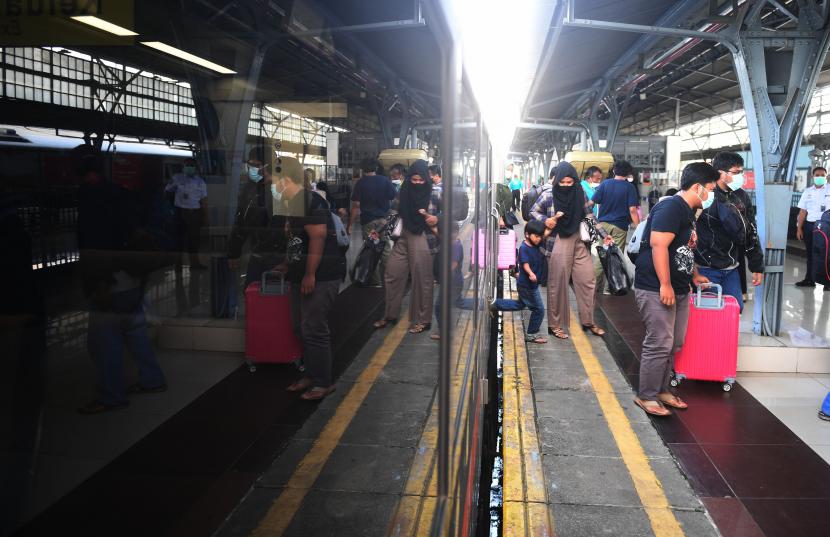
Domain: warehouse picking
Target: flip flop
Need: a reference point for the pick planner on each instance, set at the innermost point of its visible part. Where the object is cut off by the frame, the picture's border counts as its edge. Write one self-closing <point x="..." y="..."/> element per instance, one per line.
<point x="300" y="385"/>
<point x="418" y="328"/>
<point x="317" y="393"/>
<point x="674" y="402"/>
<point x="536" y="339"/>
<point x="383" y="322"/>
<point x="659" y="410"/>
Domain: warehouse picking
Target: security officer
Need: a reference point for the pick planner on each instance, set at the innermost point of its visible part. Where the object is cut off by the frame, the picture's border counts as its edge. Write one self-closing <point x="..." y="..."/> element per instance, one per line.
<point x="814" y="201"/>
<point x="191" y="207"/>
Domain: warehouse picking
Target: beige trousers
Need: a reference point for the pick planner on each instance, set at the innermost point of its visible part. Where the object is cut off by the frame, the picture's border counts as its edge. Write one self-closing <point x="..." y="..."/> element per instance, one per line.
<point x="410" y="255"/>
<point x="569" y="260"/>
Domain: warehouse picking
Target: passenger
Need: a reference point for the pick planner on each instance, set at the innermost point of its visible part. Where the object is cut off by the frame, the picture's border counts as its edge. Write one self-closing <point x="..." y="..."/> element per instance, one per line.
<point x="532" y="270"/>
<point x="725" y="233"/>
<point x="419" y="208"/>
<point x="593" y="177"/>
<point x="314" y="266"/>
<point x="665" y="271"/>
<point x="570" y="260"/>
<point x="457" y="278"/>
<point x="619" y="206"/>
<point x="812" y="204"/>
<point x="396" y="175"/>
<point x="371" y="199"/>
<point x="259" y="202"/>
<point x="543" y="210"/>
<point x="322" y="190"/>
<point x="516" y="190"/>
<point x="309" y="180"/>
<point x="113" y="287"/>
<point x="435" y="174"/>
<point x="192" y="210"/>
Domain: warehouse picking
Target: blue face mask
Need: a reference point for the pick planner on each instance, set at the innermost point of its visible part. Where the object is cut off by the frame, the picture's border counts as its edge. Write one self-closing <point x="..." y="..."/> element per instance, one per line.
<point x="277" y="195"/>
<point x="254" y="174"/>
<point x="710" y="199"/>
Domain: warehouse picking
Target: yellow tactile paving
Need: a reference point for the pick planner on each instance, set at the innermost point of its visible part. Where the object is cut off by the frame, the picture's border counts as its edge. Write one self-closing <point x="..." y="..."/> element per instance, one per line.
<point x="648" y="486"/>
<point x="282" y="511"/>
<point x="526" y="512"/>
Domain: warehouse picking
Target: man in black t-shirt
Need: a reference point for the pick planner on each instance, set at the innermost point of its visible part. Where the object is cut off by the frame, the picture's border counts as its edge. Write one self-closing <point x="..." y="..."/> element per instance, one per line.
<point x="314" y="266"/>
<point x="665" y="272"/>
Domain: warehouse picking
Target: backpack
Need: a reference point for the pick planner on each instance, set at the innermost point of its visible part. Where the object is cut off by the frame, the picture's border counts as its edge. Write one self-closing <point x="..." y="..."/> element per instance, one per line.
<point x="821" y="246"/>
<point x="528" y="200"/>
<point x="343" y="239"/>
<point x="633" y="246"/>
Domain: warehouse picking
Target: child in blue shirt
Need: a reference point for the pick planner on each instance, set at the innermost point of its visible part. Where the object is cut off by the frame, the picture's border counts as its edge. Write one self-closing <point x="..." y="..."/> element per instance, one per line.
<point x="532" y="271"/>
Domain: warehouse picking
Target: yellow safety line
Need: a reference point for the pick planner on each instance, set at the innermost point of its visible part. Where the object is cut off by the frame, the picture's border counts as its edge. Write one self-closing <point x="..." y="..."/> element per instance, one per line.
<point x="648" y="486"/>
<point x="282" y="511"/>
<point x="421" y="489"/>
<point x="525" y="509"/>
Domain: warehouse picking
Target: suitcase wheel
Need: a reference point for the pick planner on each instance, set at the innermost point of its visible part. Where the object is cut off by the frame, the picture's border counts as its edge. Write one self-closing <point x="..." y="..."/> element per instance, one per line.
<point x="251" y="367"/>
<point x="674" y="382"/>
<point x="727" y="386"/>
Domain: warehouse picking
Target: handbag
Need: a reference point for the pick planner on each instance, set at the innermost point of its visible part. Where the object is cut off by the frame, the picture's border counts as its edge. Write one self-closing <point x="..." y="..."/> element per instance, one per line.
<point x="585" y="232"/>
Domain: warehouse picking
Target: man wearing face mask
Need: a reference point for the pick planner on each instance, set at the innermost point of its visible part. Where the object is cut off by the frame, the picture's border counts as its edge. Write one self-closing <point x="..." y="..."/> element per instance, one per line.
<point x="726" y="232"/>
<point x="260" y="217"/>
<point x="190" y="201"/>
<point x="813" y="202"/>
<point x="662" y="282"/>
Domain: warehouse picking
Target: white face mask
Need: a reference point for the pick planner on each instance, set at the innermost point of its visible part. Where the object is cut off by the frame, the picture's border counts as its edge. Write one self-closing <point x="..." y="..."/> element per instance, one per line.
<point x="737" y="182"/>
<point x="277" y="195"/>
<point x="630" y="179"/>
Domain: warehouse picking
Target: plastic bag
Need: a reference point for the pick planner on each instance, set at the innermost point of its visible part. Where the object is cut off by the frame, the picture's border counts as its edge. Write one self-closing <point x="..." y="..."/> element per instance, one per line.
<point x="367" y="261"/>
<point x="613" y="266"/>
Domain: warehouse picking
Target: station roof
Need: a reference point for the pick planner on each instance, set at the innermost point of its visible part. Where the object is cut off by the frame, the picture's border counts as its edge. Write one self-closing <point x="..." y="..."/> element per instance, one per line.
<point x="646" y="72"/>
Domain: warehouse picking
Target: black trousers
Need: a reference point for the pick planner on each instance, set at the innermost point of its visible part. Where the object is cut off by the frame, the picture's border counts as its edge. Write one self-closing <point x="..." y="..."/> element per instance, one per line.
<point x="808" y="242"/>
<point x="517" y="199"/>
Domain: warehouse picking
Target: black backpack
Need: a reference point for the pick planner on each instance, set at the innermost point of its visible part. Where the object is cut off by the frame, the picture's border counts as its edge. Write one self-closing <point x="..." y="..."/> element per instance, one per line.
<point x="821" y="246"/>
<point x="528" y="200"/>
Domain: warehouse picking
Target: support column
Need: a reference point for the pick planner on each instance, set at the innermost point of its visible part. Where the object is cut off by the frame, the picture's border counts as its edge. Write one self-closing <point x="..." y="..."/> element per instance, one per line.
<point x="223" y="110"/>
<point x="777" y="73"/>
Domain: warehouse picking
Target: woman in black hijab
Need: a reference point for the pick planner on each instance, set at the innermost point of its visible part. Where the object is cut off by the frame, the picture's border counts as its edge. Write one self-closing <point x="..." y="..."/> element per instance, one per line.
<point x="413" y="251"/>
<point x="570" y="260"/>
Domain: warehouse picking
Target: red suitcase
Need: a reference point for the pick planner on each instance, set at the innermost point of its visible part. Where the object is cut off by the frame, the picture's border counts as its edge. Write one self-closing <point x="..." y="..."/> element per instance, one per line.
<point x="269" y="337"/>
<point x="710" y="351"/>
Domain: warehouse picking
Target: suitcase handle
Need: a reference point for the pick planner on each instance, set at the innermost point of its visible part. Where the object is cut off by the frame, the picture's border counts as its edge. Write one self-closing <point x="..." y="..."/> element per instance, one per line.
<point x="269" y="289"/>
<point x="709" y="301"/>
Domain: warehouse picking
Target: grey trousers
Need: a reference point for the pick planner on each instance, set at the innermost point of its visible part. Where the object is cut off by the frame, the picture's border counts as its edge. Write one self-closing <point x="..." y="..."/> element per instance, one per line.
<point x="410" y="255"/>
<point x="378" y="225"/>
<point x="665" y="335"/>
<point x="310" y="320"/>
<point x="570" y="261"/>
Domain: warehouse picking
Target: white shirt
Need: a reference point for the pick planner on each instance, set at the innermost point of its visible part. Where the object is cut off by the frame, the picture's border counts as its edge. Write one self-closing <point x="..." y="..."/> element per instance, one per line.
<point x="190" y="191"/>
<point x="815" y="201"/>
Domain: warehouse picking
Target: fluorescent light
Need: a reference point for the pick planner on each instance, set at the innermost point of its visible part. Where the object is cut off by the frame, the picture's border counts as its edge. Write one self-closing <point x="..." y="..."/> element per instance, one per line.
<point x="101" y="24"/>
<point x="173" y="51"/>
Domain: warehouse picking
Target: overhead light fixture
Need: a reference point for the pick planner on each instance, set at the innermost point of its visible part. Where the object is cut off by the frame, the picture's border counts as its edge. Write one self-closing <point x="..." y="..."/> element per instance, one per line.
<point x="101" y="24"/>
<point x="192" y="58"/>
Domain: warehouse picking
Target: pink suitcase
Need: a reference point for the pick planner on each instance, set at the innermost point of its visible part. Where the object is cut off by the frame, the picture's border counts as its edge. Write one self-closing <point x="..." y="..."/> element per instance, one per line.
<point x="710" y="351"/>
<point x="269" y="337"/>
<point x="507" y="249"/>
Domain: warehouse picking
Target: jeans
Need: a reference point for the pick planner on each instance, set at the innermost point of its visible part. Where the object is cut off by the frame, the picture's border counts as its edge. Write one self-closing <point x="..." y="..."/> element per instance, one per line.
<point x="310" y="320"/>
<point x="665" y="335"/>
<point x="112" y="327"/>
<point x="729" y="279"/>
<point x="530" y="299"/>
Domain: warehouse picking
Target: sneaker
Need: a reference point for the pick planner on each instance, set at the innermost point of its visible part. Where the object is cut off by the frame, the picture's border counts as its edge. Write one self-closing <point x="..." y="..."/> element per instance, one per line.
<point x="805" y="283"/>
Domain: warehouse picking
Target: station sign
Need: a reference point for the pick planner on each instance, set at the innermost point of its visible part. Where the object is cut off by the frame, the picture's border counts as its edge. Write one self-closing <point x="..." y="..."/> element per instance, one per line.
<point x="49" y="23"/>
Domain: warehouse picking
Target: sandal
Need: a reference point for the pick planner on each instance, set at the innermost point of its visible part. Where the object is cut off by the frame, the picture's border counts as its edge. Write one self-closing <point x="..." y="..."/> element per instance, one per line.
<point x="383" y="322"/>
<point x="435" y="336"/>
<point x="300" y="385"/>
<point x="420" y="327"/>
<point x="317" y="393"/>
<point x="594" y="329"/>
<point x="673" y="401"/>
<point x="655" y="409"/>
<point x="558" y="332"/>
<point x="535" y="338"/>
